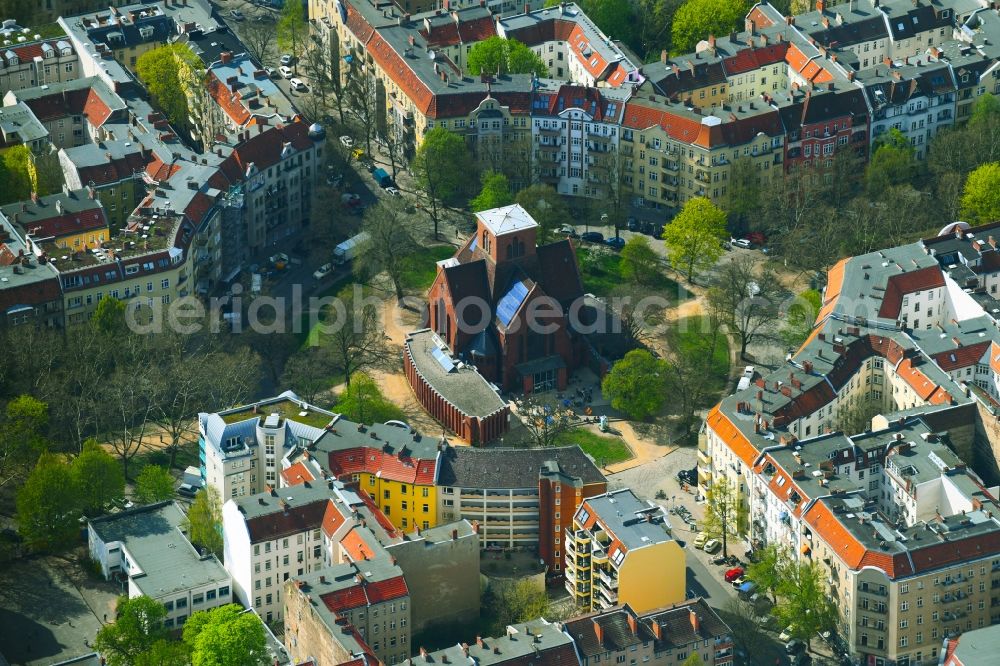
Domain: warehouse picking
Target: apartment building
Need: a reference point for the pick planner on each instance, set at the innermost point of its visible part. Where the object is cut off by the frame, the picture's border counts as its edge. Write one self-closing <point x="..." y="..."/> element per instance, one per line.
<point x="114" y="173"/>
<point x="659" y="636"/>
<point x="148" y="547"/>
<point x="241" y="449"/>
<point x="619" y="550"/>
<point x="70" y="221"/>
<point x="31" y="293"/>
<point x="820" y="125"/>
<point x="395" y="466"/>
<point x="124" y="33"/>
<point x="536" y="642"/>
<point x="73" y="112"/>
<point x="349" y="612"/>
<point x="271" y="537"/>
<point x="244" y="95"/>
<point x="520" y="498"/>
<point x="35" y="61"/>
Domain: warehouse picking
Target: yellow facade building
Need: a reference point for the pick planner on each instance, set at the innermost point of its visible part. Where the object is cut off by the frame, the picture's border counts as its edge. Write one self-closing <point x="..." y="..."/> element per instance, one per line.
<point x="620" y="551"/>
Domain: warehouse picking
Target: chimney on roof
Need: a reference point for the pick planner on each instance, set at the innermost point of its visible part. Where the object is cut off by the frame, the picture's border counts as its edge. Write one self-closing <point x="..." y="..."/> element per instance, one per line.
<point x="695" y="619"/>
<point x="322" y="579"/>
<point x="226" y="57"/>
<point x="850" y="75"/>
<point x="632" y="624"/>
<point x="992" y="242"/>
<point x="34" y="197"/>
<point x="423" y="654"/>
<point x="598" y="632"/>
<point x="711" y="41"/>
<point x="826" y="22"/>
<point x="479" y="642"/>
<point x="821" y="6"/>
<point x="887" y="61"/>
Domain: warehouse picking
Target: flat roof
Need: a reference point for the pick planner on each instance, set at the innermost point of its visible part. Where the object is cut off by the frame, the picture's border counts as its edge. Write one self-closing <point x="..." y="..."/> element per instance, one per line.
<point x="153" y="536"/>
<point x="623" y="514"/>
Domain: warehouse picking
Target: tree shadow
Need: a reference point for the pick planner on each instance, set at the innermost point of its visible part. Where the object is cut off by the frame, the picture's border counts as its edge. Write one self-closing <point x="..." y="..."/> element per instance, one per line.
<point x="26" y="639"/>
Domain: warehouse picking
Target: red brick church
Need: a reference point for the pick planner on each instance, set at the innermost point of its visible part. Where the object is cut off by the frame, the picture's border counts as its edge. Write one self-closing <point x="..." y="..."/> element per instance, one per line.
<point x="483" y="298"/>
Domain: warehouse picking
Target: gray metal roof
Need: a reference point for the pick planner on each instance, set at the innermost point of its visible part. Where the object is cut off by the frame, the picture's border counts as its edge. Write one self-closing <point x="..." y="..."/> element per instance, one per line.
<point x="978" y="647"/>
<point x="472" y="467"/>
<point x="623" y="515"/>
<point x="463" y="387"/>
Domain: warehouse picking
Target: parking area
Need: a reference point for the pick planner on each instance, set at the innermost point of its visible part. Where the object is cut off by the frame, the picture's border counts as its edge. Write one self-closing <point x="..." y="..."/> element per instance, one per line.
<point x="50" y="610"/>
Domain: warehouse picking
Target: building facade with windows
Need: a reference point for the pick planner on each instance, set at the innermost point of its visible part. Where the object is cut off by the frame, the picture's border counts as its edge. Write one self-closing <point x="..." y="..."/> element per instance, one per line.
<point x="147" y="546"/>
<point x="619" y="550"/>
<point x="36" y="62"/>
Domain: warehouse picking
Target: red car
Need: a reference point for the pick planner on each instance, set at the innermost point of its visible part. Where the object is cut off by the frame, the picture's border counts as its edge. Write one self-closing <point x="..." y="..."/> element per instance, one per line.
<point x="733" y="574"/>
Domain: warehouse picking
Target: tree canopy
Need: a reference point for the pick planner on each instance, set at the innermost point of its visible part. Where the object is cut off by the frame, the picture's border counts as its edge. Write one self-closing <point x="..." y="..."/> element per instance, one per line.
<point x="292" y="28"/>
<point x="136" y="629"/>
<point x="389" y="242"/>
<point x="697" y="19"/>
<point x="363" y="402"/>
<point x="167" y="71"/>
<point x="48" y="505"/>
<point x="495" y="192"/>
<point x="204" y="521"/>
<point x="497" y="56"/>
<point x="154" y="484"/>
<point x="546" y="206"/>
<point x="17" y="174"/>
<point x="893" y="162"/>
<point x="226" y="636"/>
<point x="442" y="167"/>
<point x="981" y="197"/>
<point x="98" y="478"/>
<point x="22" y="437"/>
<point x="636" y="384"/>
<point x="694" y="238"/>
<point x="639" y="262"/>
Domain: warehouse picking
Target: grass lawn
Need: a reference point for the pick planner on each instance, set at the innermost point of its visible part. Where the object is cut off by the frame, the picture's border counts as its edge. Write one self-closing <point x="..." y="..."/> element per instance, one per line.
<point x="420" y="268"/>
<point x="601" y="272"/>
<point x="604" y="450"/>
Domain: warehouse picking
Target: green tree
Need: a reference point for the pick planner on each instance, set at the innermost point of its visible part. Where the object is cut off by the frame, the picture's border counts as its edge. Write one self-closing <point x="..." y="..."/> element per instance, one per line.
<point x="698" y="360"/>
<point x="442" y="167"/>
<point x="893" y="162"/>
<point x="165" y="652"/>
<point x="16" y="174"/>
<point x="226" y="636"/>
<point x="636" y="384"/>
<point x="495" y="192"/>
<point x="697" y="19"/>
<point x="547" y="207"/>
<point x="389" y="242"/>
<point x="363" y="402"/>
<point x="204" y="521"/>
<point x="743" y="201"/>
<point x="804" y="602"/>
<point x="292" y="30"/>
<point x="639" y="261"/>
<point x="745" y="298"/>
<point x="770" y="569"/>
<point x="98" y="478"/>
<point x="154" y="484"/>
<point x="138" y="626"/>
<point x="109" y="317"/>
<point x="653" y="31"/>
<point x="356" y="341"/>
<point x="981" y="197"/>
<point x="22" y="437"/>
<point x="48" y="506"/>
<point x="987" y="107"/>
<point x="693" y="660"/>
<point x="800" y="318"/>
<point x="162" y="71"/>
<point x="514" y="601"/>
<point x="544" y="422"/>
<point x="724" y="512"/>
<point x="616" y="18"/>
<point x="497" y="56"/>
<point x="694" y="238"/>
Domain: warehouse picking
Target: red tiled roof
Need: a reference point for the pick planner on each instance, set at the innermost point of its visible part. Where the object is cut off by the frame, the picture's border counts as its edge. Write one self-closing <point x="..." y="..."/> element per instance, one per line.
<point x="283" y="523"/>
<point x="264" y="149"/>
<point x="753" y="58"/>
<point x="834" y="283"/>
<point x="355" y="547"/>
<point x="731" y="435"/>
<point x="229" y="101"/>
<point x="113" y="171"/>
<point x="67" y="224"/>
<point x="95" y="109"/>
<point x="835" y="535"/>
<point x="395" y="68"/>
<point x="477" y="30"/>
<point x="386" y="590"/>
<point x="905" y="283"/>
<point x="7" y="256"/>
<point x="346" y="599"/>
<point x="589" y="58"/>
<point x="332" y="518"/>
<point x="297" y="474"/>
<point x="640" y="117"/>
<point x="447" y="105"/>
<point x="160" y="171"/>
<point x="199" y="205"/>
<point x="400" y="467"/>
<point x="962" y="357"/>
<point x="380" y="517"/>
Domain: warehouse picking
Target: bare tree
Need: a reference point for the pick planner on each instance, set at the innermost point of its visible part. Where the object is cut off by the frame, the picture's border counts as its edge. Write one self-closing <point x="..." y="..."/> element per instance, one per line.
<point x="357" y="341"/>
<point x="308" y="374"/>
<point x="745" y="298"/>
<point x="128" y="411"/>
<point x="361" y="98"/>
<point x="389" y="242"/>
<point x="260" y="38"/>
<point x="395" y="147"/>
<point x="693" y="367"/>
<point x="544" y="421"/>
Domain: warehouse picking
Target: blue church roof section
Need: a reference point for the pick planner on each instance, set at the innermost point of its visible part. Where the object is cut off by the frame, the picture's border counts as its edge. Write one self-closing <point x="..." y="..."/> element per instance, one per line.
<point x="443" y="360"/>
<point x="474" y="243"/>
<point x="510" y="303"/>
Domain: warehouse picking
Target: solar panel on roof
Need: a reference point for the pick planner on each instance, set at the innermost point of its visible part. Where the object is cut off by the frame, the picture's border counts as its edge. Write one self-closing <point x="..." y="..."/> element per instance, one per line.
<point x="443" y="359"/>
<point x="511" y="302"/>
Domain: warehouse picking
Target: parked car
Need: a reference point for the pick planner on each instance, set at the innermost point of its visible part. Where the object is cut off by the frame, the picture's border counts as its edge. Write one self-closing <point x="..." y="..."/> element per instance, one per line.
<point x="298" y="85"/>
<point x="569" y="231"/>
<point x="237" y="15"/>
<point x="741" y="242"/>
<point x="632" y="224"/>
<point x="286" y="59"/>
<point x="350" y="199"/>
<point x="592" y="237"/>
<point x="323" y="271"/>
<point x="392" y="191"/>
<point x="346" y="141"/>
<point x="279" y="261"/>
<point x="712" y="546"/>
<point x="285" y="71"/>
<point x="615" y="243"/>
<point x="718" y="560"/>
<point x="733" y="574"/>
<point x="273" y="73"/>
<point x="699" y="541"/>
<point x="187" y="490"/>
<point x="794" y="646"/>
<point x="738" y="582"/>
